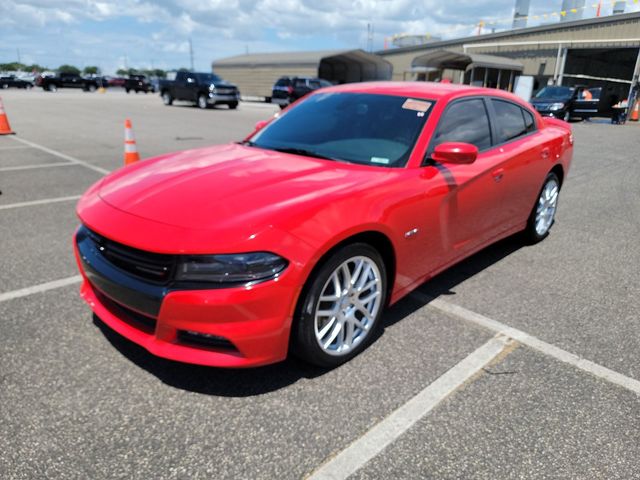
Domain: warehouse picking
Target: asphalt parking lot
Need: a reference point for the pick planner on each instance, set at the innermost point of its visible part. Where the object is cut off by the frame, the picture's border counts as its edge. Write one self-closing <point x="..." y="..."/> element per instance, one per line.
<point x="520" y="362"/>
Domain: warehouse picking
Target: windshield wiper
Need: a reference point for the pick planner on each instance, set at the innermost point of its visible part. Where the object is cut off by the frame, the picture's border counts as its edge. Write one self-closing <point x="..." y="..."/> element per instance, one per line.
<point x="305" y="152"/>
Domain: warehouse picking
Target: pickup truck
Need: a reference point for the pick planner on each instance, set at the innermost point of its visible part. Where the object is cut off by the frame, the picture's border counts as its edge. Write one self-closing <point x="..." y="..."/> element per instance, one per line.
<point x="203" y="89"/>
<point x="68" y="80"/>
<point x="138" y="83"/>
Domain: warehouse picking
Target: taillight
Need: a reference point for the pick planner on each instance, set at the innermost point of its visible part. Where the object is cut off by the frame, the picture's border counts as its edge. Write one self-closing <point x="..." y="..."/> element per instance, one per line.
<point x="289" y="89"/>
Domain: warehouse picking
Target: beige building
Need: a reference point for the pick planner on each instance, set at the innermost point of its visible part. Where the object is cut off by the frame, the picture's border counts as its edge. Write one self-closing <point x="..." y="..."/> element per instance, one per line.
<point x="255" y="74"/>
<point x="592" y="51"/>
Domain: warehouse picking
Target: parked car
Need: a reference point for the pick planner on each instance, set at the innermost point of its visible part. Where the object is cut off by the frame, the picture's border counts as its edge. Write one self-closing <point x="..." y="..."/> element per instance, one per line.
<point x="138" y="83"/>
<point x="203" y="89"/>
<point x="11" y="81"/>
<point x="287" y="90"/>
<point x="299" y="236"/>
<point x="116" y="81"/>
<point x="68" y="80"/>
<point x="574" y="102"/>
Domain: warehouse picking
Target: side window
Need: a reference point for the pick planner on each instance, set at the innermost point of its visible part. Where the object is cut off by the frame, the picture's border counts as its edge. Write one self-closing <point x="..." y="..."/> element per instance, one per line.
<point x="529" y="122"/>
<point x="465" y="121"/>
<point x="314" y="84"/>
<point x="509" y="120"/>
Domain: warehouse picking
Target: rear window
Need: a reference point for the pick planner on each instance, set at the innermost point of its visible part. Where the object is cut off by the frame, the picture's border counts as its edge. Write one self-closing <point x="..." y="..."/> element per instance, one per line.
<point x="510" y="122"/>
<point x="283" y="82"/>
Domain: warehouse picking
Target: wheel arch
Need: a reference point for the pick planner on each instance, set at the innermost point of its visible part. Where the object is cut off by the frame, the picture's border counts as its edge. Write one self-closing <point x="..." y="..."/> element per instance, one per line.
<point x="559" y="171"/>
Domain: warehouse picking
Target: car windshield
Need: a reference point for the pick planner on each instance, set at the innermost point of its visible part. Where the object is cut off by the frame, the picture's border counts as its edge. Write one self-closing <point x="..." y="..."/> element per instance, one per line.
<point x="358" y="128"/>
<point x="555" y="92"/>
<point x="207" y="77"/>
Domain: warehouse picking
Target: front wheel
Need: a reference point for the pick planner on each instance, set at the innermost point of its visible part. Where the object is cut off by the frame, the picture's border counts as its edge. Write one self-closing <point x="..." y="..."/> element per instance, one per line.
<point x="567" y="116"/>
<point x="233" y="105"/>
<point x="341" y="307"/>
<point x="543" y="214"/>
<point x="202" y="102"/>
<point x="92" y="88"/>
<point x="167" y="99"/>
<point x="52" y="87"/>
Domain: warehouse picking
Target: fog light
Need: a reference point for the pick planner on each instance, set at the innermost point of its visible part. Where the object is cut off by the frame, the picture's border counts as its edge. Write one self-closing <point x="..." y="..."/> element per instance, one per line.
<point x="204" y="340"/>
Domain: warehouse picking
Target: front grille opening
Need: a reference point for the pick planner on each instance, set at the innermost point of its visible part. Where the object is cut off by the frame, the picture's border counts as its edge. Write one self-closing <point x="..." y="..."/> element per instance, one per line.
<point x="155" y="267"/>
<point x="133" y="318"/>
<point x="205" y="340"/>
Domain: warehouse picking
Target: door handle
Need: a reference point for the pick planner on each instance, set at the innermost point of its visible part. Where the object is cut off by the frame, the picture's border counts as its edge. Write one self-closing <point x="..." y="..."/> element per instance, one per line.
<point x="545" y="153"/>
<point x="498" y="174"/>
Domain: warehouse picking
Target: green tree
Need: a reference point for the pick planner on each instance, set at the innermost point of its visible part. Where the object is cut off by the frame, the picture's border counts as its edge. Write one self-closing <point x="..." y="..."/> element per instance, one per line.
<point x="69" y="69"/>
<point x="91" y="70"/>
<point x="121" y="72"/>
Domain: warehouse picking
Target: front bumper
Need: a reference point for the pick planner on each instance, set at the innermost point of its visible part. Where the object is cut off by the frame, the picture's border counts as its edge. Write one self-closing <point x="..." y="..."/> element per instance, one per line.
<point x="223" y="98"/>
<point x="254" y="321"/>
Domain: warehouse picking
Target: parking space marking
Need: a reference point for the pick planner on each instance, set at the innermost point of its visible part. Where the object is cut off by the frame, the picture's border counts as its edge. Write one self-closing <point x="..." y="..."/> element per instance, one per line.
<point x="43" y="287"/>
<point x="532" y="342"/>
<point x="376" y="439"/>
<point x="44" y="201"/>
<point x="38" y="165"/>
<point x="61" y="155"/>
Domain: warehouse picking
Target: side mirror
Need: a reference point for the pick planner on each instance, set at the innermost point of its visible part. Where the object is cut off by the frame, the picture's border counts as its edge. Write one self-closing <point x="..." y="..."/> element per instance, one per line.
<point x="261" y="124"/>
<point x="455" y="152"/>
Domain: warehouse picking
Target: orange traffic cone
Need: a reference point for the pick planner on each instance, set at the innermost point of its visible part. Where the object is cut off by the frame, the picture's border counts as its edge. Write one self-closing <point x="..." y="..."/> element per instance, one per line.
<point x="5" y="128"/>
<point x="130" y="148"/>
<point x="635" y="112"/>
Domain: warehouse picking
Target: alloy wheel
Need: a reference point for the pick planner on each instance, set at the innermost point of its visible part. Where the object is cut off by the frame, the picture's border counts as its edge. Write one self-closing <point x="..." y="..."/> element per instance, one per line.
<point x="547" y="205"/>
<point x="348" y="306"/>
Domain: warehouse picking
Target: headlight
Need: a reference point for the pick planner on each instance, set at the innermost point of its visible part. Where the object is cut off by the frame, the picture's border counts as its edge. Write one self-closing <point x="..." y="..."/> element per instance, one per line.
<point x="212" y="88"/>
<point x="556" y="106"/>
<point x="236" y="268"/>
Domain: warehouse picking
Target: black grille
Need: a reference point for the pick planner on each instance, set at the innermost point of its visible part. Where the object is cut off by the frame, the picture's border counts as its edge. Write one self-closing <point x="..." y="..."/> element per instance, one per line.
<point x="204" y="340"/>
<point x="142" y="322"/>
<point x="155" y="267"/>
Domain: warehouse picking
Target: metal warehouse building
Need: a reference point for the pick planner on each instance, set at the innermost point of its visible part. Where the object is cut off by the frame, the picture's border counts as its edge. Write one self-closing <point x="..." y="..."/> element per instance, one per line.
<point x="595" y="51"/>
<point x="255" y="74"/>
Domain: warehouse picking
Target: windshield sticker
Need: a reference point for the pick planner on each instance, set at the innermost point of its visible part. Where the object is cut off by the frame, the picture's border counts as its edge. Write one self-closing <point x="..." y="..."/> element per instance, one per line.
<point x="382" y="160"/>
<point x="416" y="105"/>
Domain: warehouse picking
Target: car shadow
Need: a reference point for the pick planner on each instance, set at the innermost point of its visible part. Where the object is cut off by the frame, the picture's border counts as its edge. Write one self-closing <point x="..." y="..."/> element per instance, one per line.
<point x="261" y="380"/>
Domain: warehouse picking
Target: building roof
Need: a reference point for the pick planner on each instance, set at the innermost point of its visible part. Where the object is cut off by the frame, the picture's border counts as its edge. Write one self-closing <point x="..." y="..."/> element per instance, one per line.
<point x="441" y="59"/>
<point x="600" y="21"/>
<point x="295" y="59"/>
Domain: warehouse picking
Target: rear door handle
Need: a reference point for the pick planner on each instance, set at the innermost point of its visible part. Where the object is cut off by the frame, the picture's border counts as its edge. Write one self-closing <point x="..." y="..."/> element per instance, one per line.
<point x="498" y="174"/>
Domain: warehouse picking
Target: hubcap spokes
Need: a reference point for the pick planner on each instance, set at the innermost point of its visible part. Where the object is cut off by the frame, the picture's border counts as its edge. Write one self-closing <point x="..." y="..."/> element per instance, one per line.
<point x="348" y="305"/>
<point x="546" y="209"/>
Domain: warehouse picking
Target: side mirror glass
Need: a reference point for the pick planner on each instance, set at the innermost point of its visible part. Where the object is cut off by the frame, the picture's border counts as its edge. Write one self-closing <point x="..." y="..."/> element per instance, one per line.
<point x="455" y="152"/>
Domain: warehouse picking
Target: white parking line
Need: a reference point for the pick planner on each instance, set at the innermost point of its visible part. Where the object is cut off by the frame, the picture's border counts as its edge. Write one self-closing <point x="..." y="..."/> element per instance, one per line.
<point x="37" y="165"/>
<point x="532" y="342"/>
<point x="44" y="201"/>
<point x="349" y="460"/>
<point x="61" y="155"/>
<point x="43" y="287"/>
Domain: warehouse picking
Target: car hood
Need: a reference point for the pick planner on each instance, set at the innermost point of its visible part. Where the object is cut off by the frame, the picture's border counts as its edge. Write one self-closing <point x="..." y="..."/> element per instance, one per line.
<point x="228" y="186"/>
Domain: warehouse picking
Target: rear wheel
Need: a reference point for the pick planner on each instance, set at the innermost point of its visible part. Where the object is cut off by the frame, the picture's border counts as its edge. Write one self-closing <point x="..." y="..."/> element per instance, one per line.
<point x="167" y="99"/>
<point x="127" y="90"/>
<point x="341" y="307"/>
<point x="543" y="214"/>
<point x="202" y="101"/>
<point x="52" y="87"/>
<point x="92" y="88"/>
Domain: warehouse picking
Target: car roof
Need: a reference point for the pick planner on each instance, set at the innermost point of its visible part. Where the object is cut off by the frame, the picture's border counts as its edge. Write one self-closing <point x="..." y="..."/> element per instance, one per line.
<point x="426" y="90"/>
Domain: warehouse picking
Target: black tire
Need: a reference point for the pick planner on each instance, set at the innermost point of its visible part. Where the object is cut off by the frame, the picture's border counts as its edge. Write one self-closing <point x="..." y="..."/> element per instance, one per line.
<point x="303" y="336"/>
<point x="127" y="90"/>
<point x="567" y="116"/>
<point x="531" y="234"/>
<point x="52" y="87"/>
<point x="92" y="88"/>
<point x="167" y="99"/>
<point x="5" y="86"/>
<point x="233" y="105"/>
<point x="282" y="107"/>
<point x="202" y="103"/>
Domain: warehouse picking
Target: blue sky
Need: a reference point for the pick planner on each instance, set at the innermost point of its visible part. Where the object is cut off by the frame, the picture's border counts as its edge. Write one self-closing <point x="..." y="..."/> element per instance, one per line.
<point x="145" y="33"/>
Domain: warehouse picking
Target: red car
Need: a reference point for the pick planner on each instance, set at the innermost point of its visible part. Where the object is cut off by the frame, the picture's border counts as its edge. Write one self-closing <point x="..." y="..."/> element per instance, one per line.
<point x="297" y="238"/>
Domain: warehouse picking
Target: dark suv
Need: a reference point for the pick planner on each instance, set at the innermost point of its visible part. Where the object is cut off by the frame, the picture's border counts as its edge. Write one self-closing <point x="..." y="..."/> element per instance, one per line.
<point x="574" y="102"/>
<point x="138" y="83"/>
<point x="289" y="89"/>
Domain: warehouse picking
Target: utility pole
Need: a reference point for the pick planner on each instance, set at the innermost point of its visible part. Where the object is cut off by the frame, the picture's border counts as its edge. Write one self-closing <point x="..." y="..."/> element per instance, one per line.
<point x="18" y="50"/>
<point x="191" y="53"/>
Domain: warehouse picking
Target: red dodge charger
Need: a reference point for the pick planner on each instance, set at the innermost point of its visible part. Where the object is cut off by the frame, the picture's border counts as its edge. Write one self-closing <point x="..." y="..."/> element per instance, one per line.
<point x="298" y="237"/>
